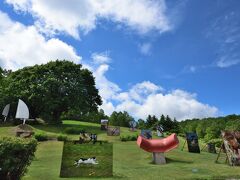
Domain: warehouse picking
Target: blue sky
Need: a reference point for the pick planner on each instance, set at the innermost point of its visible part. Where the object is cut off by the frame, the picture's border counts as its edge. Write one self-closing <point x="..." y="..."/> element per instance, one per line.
<point x="180" y="58"/>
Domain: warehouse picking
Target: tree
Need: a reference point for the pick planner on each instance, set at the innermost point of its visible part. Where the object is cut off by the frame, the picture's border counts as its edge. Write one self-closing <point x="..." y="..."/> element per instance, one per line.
<point x="141" y="124"/>
<point x="151" y="121"/>
<point x="201" y="130"/>
<point x="175" y="126"/>
<point x="2" y="85"/>
<point x="1" y="74"/>
<point x="54" y="88"/>
<point x="120" y="119"/>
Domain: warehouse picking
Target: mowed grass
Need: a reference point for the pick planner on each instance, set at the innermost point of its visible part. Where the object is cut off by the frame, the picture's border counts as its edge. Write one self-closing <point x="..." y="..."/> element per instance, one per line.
<point x="129" y="161"/>
<point x="102" y="152"/>
<point x="47" y="161"/>
<point x="54" y="130"/>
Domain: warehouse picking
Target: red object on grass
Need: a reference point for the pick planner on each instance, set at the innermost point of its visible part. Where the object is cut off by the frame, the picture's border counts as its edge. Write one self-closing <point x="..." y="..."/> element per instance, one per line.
<point x="158" y="145"/>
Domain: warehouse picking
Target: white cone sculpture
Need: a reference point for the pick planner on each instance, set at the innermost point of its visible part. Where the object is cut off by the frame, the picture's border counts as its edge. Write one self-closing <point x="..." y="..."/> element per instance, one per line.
<point x="22" y="111"/>
<point x="6" y="111"/>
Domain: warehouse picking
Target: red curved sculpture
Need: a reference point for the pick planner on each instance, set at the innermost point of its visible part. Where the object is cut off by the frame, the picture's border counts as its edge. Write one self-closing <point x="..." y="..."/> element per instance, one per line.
<point x="158" y="145"/>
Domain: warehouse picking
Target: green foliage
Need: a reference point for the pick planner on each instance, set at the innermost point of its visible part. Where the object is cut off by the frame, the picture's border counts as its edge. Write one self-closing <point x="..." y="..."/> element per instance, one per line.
<point x="41" y="136"/>
<point x="120" y="119"/>
<point x="94" y="116"/>
<point x="15" y="155"/>
<point x="169" y="125"/>
<point x="62" y="137"/>
<point x="128" y="138"/>
<point x="141" y="124"/>
<point x="53" y="88"/>
<point x="74" y="130"/>
<point x="151" y="122"/>
<point x="210" y="128"/>
<point x="217" y="142"/>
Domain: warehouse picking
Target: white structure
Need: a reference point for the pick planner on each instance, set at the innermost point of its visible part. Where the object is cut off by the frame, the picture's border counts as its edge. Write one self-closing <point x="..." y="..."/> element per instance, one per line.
<point x="104" y="121"/>
<point x="132" y="125"/>
<point x="22" y="111"/>
<point x="104" y="124"/>
<point x="159" y="131"/>
<point x="6" y="111"/>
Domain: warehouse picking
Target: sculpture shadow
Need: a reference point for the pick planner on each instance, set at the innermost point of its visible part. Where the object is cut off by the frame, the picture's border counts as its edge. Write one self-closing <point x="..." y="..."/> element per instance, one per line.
<point x="171" y="160"/>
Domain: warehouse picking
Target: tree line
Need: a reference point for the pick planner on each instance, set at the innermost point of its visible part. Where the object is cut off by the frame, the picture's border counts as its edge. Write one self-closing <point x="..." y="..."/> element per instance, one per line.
<point x="210" y="128"/>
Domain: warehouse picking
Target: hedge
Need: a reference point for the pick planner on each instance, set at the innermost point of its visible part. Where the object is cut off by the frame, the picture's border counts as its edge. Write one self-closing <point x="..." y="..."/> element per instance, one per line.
<point x="129" y="138"/>
<point x="41" y="136"/>
<point x="62" y="137"/>
<point x="15" y="155"/>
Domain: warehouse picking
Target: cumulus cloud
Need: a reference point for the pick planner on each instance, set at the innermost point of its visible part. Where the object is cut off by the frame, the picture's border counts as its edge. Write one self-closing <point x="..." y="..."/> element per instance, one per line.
<point x="23" y="46"/>
<point x="70" y="16"/>
<point x="101" y="58"/>
<point x="178" y="103"/>
<point x="107" y="89"/>
<point x="146" y="98"/>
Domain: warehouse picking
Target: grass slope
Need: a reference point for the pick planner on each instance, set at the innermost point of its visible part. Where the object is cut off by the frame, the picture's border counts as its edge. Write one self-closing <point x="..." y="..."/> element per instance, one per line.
<point x="129" y="161"/>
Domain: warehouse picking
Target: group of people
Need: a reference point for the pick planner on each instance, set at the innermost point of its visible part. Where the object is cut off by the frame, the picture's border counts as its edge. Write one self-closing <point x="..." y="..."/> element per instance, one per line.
<point x="87" y="137"/>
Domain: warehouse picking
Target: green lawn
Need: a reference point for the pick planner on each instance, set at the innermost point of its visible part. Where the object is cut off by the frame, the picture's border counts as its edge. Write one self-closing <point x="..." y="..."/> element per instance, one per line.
<point x="129" y="161"/>
<point x="47" y="162"/>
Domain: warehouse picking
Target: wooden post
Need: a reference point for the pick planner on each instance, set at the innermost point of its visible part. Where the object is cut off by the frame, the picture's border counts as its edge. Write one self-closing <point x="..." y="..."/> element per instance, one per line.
<point x="183" y="145"/>
<point x="158" y="158"/>
<point x="219" y="153"/>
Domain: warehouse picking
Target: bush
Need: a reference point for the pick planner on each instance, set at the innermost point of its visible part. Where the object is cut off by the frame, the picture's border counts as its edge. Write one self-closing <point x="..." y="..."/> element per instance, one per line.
<point x="15" y="155"/>
<point x="41" y="136"/>
<point x="217" y="142"/>
<point x="129" y="138"/>
<point x="70" y="130"/>
<point x="62" y="137"/>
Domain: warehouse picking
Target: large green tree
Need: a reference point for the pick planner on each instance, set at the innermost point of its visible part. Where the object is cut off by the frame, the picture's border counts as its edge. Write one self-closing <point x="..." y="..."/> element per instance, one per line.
<point x="120" y="119"/>
<point x="53" y="88"/>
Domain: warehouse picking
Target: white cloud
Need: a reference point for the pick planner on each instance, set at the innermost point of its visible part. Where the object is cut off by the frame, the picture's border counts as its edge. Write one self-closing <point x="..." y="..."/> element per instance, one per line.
<point x="141" y="90"/>
<point x="147" y="98"/>
<point x="225" y="34"/>
<point x="145" y="48"/>
<point x="101" y="58"/>
<point x="107" y="89"/>
<point x="228" y="61"/>
<point x="23" y="46"/>
<point x="70" y="16"/>
<point x="179" y="104"/>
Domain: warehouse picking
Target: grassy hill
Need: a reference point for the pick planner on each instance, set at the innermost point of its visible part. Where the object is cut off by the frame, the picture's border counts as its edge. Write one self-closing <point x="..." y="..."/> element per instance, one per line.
<point x="129" y="161"/>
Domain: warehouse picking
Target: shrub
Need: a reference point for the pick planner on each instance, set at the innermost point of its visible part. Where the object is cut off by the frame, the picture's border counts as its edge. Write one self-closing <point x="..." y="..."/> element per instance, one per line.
<point x="128" y="138"/>
<point x="15" y="155"/>
<point x="62" y="137"/>
<point x="217" y="142"/>
<point x="73" y="130"/>
<point x="41" y="136"/>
